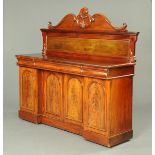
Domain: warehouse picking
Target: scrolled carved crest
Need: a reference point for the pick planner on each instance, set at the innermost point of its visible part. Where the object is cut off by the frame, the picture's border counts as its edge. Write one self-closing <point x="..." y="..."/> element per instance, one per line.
<point x="83" y="19"/>
<point x="87" y="22"/>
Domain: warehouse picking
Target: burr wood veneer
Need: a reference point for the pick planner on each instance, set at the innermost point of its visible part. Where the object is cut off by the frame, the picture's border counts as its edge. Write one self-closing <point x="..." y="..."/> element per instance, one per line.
<point x="82" y="81"/>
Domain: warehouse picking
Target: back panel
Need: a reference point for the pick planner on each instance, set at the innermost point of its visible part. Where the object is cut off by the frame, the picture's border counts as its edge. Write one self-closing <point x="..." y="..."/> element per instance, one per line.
<point x="89" y="46"/>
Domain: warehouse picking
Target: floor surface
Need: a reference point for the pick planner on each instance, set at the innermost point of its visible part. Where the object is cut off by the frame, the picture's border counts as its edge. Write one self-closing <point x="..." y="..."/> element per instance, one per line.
<point x="25" y="138"/>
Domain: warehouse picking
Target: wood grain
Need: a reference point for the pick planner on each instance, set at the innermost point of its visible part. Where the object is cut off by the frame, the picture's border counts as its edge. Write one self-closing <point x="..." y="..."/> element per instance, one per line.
<point x="89" y="46"/>
<point x="73" y="87"/>
<point x="95" y="105"/>
<point x="53" y="94"/>
<point x="28" y="89"/>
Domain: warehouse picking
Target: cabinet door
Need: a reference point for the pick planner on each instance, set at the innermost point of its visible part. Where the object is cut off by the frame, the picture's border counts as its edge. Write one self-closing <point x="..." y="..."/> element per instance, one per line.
<point x="94" y="105"/>
<point x="73" y="90"/>
<point x="52" y="94"/>
<point x="28" y="89"/>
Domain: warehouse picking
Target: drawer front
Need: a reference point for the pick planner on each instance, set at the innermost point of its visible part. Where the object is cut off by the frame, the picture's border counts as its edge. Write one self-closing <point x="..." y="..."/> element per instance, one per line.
<point x="80" y="70"/>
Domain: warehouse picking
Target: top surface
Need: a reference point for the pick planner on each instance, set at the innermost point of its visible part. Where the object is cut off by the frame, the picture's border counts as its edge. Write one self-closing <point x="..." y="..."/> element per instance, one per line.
<point x="105" y="63"/>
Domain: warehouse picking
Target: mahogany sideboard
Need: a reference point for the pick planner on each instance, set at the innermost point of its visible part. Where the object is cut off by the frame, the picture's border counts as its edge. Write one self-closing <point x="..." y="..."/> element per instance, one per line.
<point x="82" y="81"/>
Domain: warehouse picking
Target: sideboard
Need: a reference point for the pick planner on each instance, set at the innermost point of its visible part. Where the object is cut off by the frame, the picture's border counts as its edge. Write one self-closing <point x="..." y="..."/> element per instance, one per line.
<point x="82" y="81"/>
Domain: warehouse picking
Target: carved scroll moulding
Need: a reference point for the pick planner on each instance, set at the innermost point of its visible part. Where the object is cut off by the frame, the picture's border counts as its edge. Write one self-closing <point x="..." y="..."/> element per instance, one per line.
<point x="85" y="21"/>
